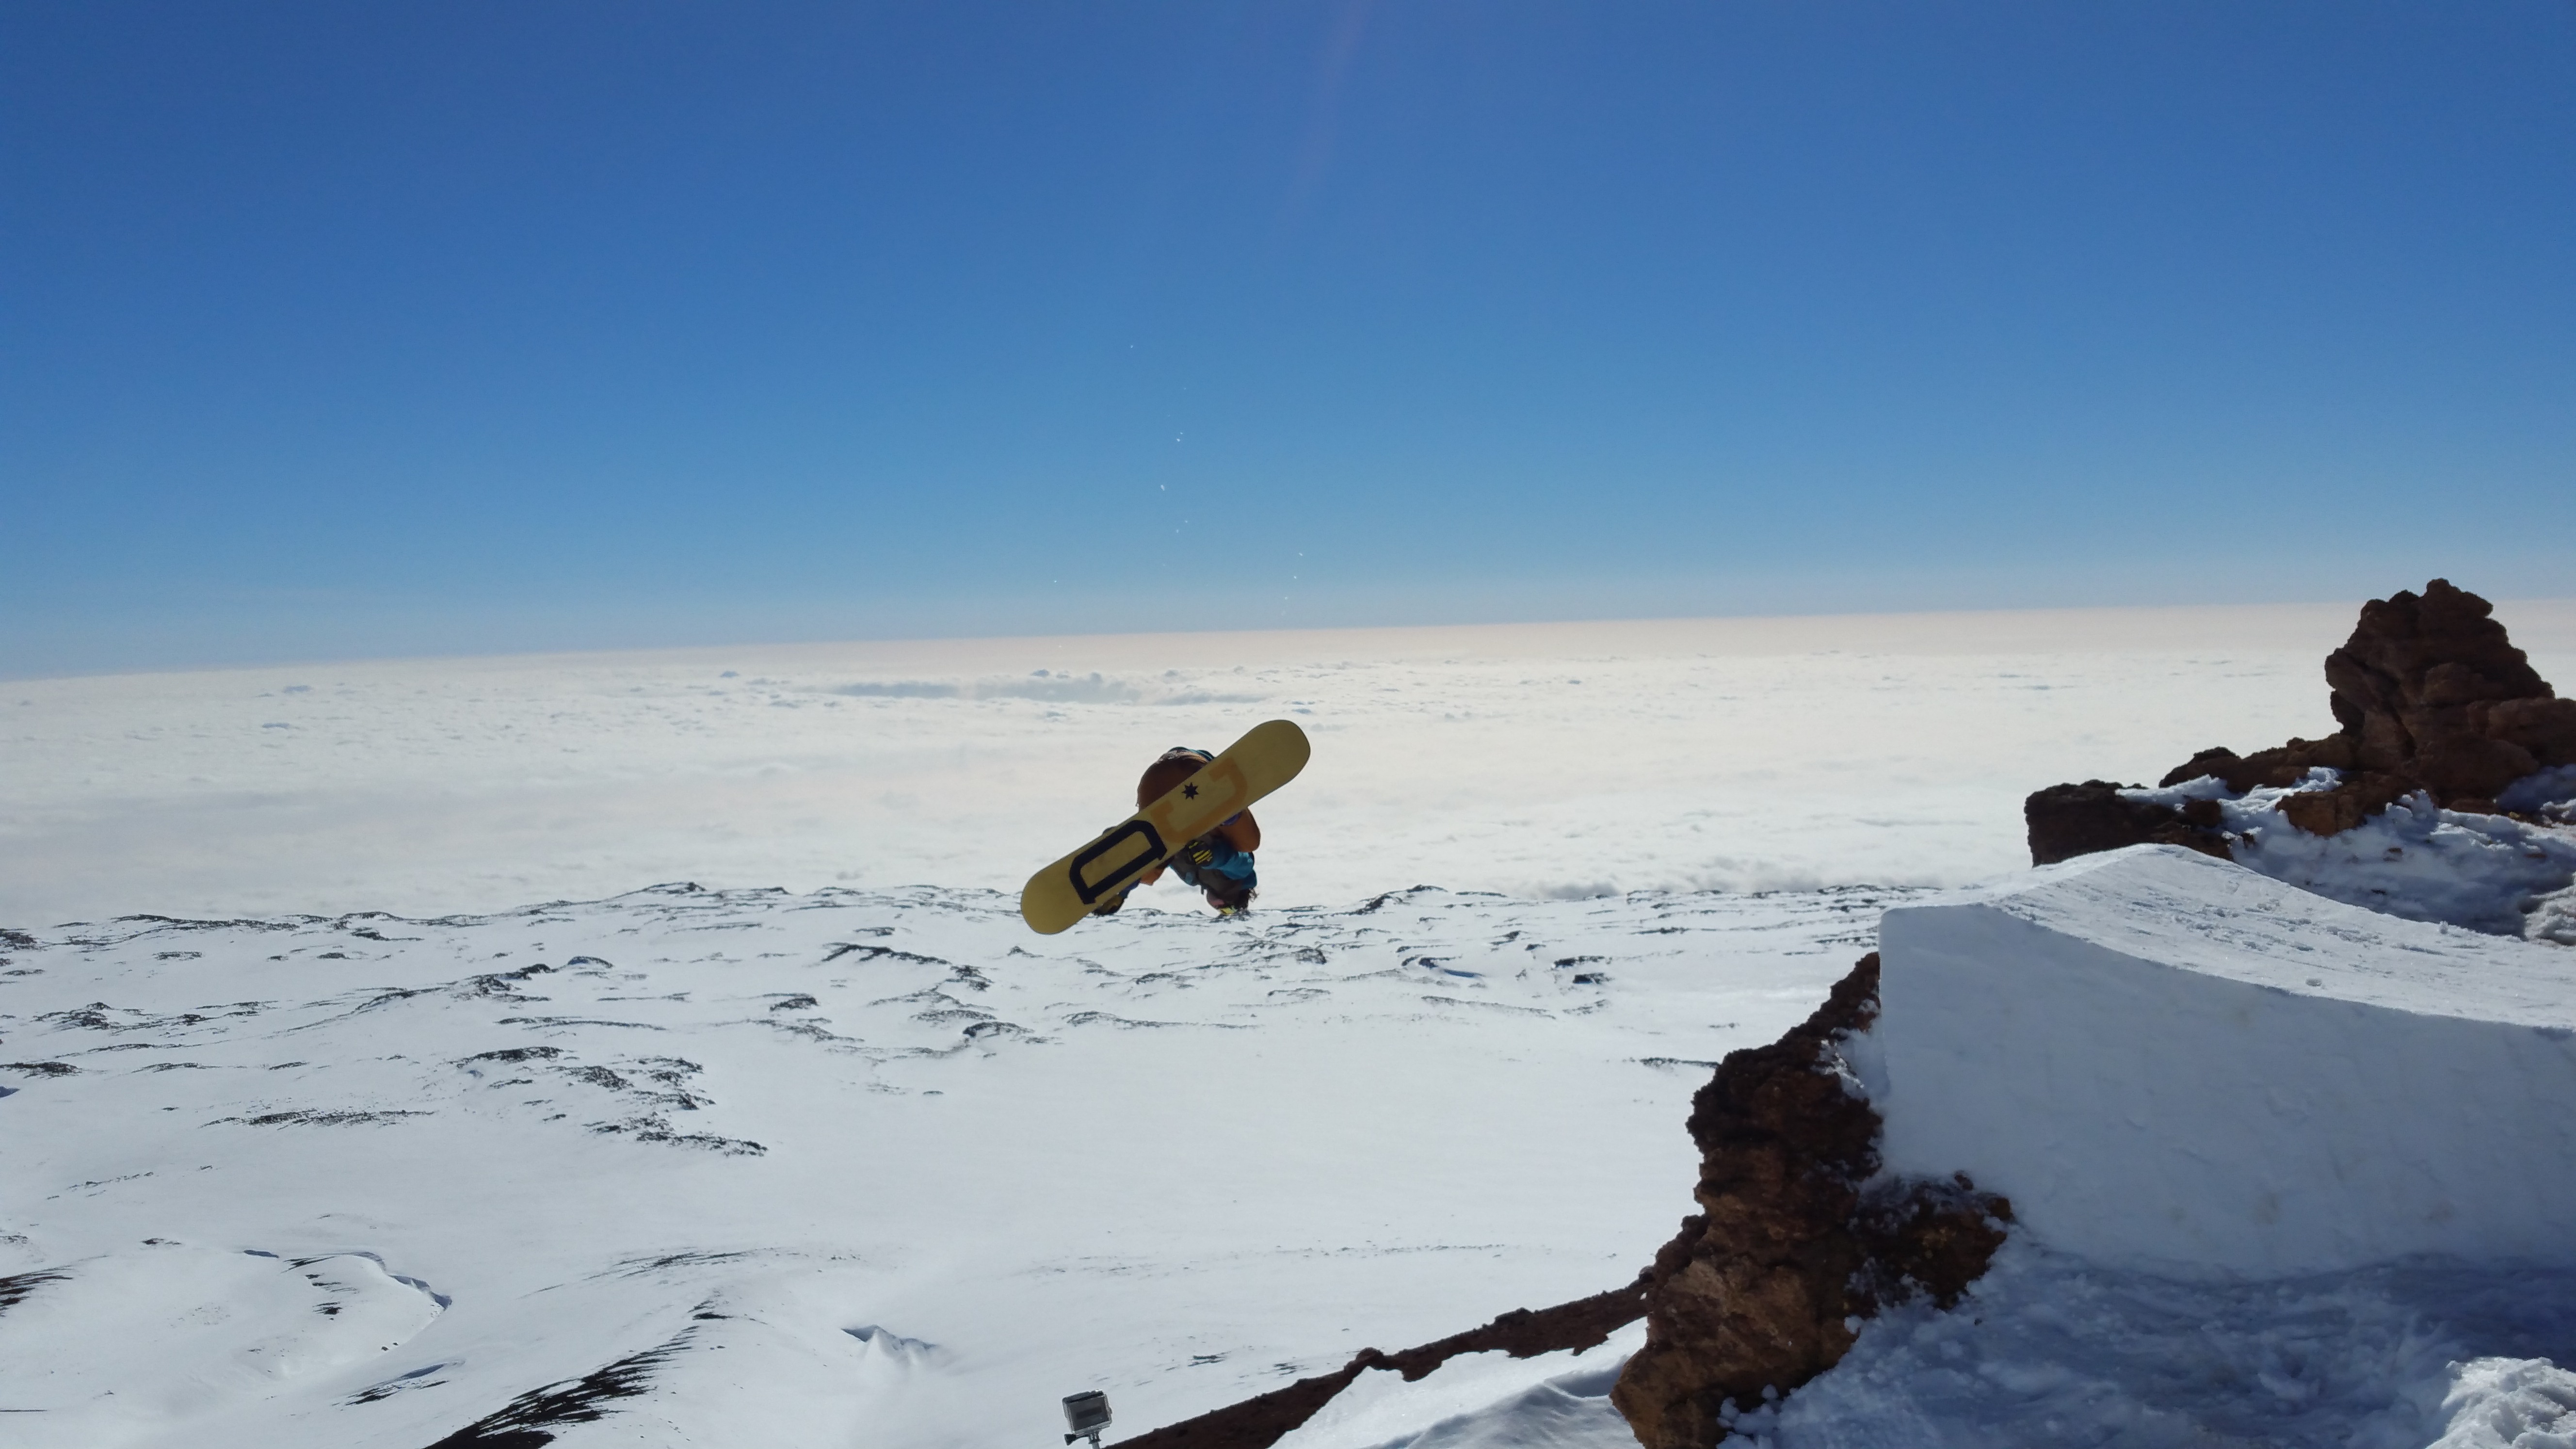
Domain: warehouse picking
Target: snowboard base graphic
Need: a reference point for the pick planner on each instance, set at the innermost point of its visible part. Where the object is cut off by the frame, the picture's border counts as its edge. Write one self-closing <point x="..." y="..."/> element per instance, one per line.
<point x="1267" y="757"/>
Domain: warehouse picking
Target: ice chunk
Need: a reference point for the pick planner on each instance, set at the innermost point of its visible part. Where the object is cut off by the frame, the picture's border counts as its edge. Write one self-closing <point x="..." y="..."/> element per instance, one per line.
<point x="2504" y="1403"/>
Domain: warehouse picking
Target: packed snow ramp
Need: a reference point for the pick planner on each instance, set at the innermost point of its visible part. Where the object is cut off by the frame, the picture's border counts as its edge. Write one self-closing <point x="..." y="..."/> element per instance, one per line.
<point x="2170" y="1062"/>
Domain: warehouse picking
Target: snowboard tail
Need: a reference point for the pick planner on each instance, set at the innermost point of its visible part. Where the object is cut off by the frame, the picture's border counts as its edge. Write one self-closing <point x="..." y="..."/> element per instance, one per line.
<point x="1267" y="757"/>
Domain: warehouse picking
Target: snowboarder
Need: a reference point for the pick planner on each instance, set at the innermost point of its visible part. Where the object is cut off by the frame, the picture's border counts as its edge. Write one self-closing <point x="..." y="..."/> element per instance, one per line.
<point x="1194" y="815"/>
<point x="1219" y="863"/>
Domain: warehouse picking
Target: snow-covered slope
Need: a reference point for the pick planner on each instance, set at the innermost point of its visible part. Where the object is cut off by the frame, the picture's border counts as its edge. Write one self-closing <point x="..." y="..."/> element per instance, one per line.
<point x="758" y="1168"/>
<point x="721" y="1168"/>
<point x="2171" y="1062"/>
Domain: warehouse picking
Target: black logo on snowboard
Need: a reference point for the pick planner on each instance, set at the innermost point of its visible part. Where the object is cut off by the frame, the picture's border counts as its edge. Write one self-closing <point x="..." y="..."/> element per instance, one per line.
<point x="1090" y="891"/>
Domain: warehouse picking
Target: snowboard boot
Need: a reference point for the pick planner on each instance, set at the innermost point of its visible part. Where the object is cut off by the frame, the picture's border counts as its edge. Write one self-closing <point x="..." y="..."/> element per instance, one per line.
<point x="1196" y="863"/>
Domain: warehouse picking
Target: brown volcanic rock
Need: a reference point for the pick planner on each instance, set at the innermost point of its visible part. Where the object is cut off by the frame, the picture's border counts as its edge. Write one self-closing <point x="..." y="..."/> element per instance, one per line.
<point x="2545" y="726"/>
<point x="1755" y="1292"/>
<point x="1259" y="1422"/>
<point x="2430" y="688"/>
<point x="2432" y="696"/>
<point x="2066" y="821"/>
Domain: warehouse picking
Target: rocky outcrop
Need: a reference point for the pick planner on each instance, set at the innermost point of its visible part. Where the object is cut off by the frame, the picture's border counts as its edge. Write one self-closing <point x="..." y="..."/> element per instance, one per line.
<point x="1794" y="1242"/>
<point x="2432" y="696"/>
<point x="2430" y="691"/>
<point x="1259" y="1422"/>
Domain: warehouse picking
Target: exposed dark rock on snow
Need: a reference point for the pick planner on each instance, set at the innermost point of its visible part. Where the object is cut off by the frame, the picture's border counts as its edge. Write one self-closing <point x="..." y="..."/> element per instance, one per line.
<point x="319" y="1119"/>
<point x="1793" y="1243"/>
<point x="1257" y="1423"/>
<point x="2066" y="821"/>
<point x="2431" y="689"/>
<point x="529" y="1421"/>
<point x="2431" y="695"/>
<point x="17" y="1287"/>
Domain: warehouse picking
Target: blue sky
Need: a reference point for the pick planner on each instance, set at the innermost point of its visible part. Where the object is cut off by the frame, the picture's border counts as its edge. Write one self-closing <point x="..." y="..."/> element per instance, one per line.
<point x="333" y="330"/>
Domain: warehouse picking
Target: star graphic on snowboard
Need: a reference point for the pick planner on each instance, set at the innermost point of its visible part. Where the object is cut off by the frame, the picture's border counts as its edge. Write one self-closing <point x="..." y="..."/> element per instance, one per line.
<point x="1189" y="792"/>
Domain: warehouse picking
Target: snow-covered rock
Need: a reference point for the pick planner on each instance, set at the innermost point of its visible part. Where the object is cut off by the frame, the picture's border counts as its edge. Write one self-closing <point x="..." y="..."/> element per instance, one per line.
<point x="1799" y="1238"/>
<point x="2415" y="859"/>
<point x="2172" y="1063"/>
<point x="2447" y="795"/>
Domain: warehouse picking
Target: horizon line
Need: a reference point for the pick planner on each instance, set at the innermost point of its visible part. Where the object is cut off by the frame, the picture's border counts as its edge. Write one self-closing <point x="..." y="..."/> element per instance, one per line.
<point x="1852" y="617"/>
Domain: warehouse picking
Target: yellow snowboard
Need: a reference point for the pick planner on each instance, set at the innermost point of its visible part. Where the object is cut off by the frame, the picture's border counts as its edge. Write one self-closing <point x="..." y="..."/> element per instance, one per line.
<point x="1262" y="761"/>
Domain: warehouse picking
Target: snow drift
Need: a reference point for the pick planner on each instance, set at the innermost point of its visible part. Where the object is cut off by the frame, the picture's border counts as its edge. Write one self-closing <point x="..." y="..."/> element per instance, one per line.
<point x="2170" y="1063"/>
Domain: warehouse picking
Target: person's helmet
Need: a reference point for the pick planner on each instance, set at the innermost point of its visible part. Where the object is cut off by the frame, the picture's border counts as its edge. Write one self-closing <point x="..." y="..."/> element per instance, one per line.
<point x="1177" y="764"/>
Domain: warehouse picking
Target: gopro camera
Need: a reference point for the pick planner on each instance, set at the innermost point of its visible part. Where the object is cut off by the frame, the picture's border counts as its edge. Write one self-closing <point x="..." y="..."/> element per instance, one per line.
<point x="1086" y="1414"/>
